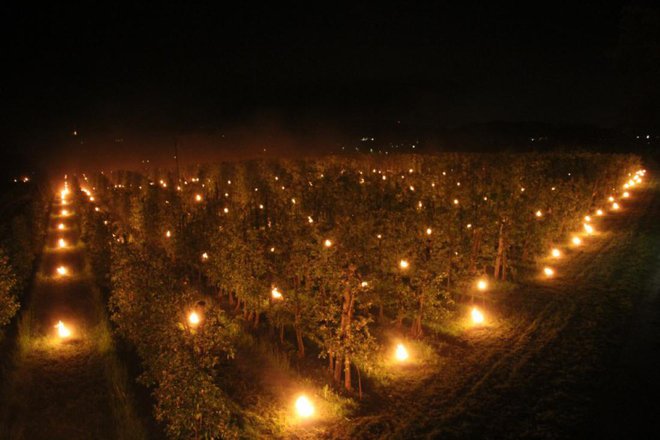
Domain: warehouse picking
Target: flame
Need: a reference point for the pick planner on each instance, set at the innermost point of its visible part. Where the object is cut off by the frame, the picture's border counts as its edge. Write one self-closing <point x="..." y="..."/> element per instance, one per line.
<point x="275" y="293"/>
<point x="304" y="407"/>
<point x="62" y="331"/>
<point x="401" y="353"/>
<point x="194" y="318"/>
<point x="477" y="316"/>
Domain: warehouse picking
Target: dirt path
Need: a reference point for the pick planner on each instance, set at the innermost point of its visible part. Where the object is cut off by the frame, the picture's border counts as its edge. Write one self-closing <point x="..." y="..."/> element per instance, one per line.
<point x="550" y="364"/>
<point x="60" y="388"/>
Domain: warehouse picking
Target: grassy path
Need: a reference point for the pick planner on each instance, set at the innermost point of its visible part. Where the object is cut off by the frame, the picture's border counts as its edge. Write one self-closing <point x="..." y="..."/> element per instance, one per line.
<point x="557" y="357"/>
<point x="73" y="388"/>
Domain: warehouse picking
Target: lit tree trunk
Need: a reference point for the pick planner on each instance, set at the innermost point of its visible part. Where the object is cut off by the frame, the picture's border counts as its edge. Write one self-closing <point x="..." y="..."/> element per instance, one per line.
<point x="282" y="334"/>
<point x="416" y="326"/>
<point x="299" y="338"/>
<point x="500" y="253"/>
<point x="347" y="374"/>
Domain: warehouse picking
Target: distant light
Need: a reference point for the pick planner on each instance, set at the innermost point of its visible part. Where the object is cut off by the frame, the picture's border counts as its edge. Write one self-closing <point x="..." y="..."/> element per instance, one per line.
<point x="60" y="226"/>
<point x="198" y="197"/>
<point x="455" y="201"/>
<point x="539" y="213"/>
<point x="403" y="264"/>
<point x="327" y="243"/>
<point x="61" y="243"/>
<point x="168" y="234"/>
<point x="62" y="270"/>
<point x="548" y="271"/>
<point x="576" y="241"/>
<point x="626" y="195"/>
<point x="482" y="285"/>
<point x="364" y="284"/>
<point x="615" y="206"/>
<point x="429" y="231"/>
<point x="205" y="256"/>
<point x="587" y="218"/>
<point x="588" y="228"/>
<point x="556" y="253"/>
<point x="610" y="199"/>
<point x="599" y="212"/>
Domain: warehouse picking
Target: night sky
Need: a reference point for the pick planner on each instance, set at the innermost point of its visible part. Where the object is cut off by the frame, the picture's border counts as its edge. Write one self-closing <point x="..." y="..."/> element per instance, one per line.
<point x="147" y="68"/>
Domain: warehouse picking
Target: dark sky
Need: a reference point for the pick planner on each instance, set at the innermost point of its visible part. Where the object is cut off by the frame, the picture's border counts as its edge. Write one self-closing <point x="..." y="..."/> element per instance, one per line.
<point x="156" y="67"/>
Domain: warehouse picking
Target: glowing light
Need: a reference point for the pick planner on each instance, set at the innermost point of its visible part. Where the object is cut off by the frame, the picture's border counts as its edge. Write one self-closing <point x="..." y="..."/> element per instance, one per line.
<point x="65" y="212"/>
<point x="327" y="243"/>
<point x="61" y="243"/>
<point x="587" y="218"/>
<point x="610" y="199"/>
<point x="60" y="226"/>
<point x="626" y="195"/>
<point x="168" y="234"/>
<point x="401" y="353"/>
<point x="539" y="213"/>
<point x="588" y="228"/>
<point x="205" y="256"/>
<point x="548" y="272"/>
<point x="364" y="284"/>
<point x="275" y="293"/>
<point x="304" y="407"/>
<point x="556" y="253"/>
<point x="429" y="231"/>
<point x="455" y="201"/>
<point x="482" y="285"/>
<point x="576" y="241"/>
<point x="599" y="212"/>
<point x="62" y="270"/>
<point x="91" y="198"/>
<point x="310" y="219"/>
<point x="615" y="206"/>
<point x="477" y="316"/>
<point x="194" y="318"/>
<point x="403" y="264"/>
<point x="62" y="331"/>
<point x="198" y="197"/>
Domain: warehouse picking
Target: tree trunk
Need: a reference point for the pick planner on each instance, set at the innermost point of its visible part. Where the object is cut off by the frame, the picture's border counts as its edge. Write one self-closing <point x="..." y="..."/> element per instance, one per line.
<point x="299" y="340"/>
<point x="347" y="374"/>
<point x="282" y="334"/>
<point x="337" y="376"/>
<point x="500" y="253"/>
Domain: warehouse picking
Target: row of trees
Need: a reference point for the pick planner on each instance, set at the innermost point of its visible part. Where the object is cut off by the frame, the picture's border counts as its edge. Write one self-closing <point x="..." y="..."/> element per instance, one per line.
<point x="23" y="208"/>
<point x="328" y="249"/>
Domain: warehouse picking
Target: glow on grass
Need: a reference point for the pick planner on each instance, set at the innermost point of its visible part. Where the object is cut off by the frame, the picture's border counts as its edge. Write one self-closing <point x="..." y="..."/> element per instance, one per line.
<point x="477" y="316"/>
<point x="304" y="407"/>
<point x="62" y="331"/>
<point x="401" y="353"/>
